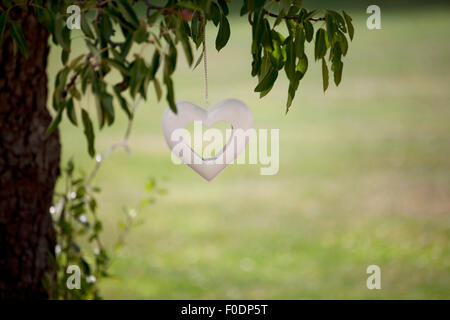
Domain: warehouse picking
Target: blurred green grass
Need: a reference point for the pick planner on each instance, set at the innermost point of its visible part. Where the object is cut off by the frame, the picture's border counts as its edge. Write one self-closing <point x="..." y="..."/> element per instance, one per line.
<point x="364" y="179"/>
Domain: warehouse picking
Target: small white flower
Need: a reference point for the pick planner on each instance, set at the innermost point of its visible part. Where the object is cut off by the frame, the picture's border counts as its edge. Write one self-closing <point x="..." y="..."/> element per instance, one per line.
<point x="52" y="210"/>
<point x="132" y="213"/>
<point x="98" y="158"/>
<point x="83" y="218"/>
<point x="73" y="195"/>
<point x="91" y="279"/>
<point x="57" y="249"/>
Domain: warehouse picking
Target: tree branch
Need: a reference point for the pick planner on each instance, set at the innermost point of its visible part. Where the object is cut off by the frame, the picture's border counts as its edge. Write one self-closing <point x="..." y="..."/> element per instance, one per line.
<point x="74" y="78"/>
<point x="291" y="17"/>
<point x="123" y="143"/>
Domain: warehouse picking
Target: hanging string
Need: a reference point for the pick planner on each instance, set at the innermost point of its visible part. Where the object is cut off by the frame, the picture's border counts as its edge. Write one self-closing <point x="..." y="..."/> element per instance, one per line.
<point x="205" y="62"/>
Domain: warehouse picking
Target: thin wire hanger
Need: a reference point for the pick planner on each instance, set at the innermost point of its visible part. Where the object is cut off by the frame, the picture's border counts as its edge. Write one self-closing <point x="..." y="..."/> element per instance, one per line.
<point x="205" y="62"/>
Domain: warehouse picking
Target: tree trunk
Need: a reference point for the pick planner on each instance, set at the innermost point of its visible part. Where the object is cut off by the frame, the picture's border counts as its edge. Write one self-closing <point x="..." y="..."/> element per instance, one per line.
<point x="29" y="165"/>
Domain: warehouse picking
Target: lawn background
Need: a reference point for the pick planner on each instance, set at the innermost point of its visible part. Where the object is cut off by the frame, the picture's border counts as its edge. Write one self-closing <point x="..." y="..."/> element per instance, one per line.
<point x="364" y="177"/>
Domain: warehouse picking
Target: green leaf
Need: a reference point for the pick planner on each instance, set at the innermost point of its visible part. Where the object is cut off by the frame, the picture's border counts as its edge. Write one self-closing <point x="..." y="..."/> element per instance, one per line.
<point x="154" y="64"/>
<point x="141" y="34"/>
<point x="138" y="71"/>
<point x="268" y="81"/>
<point x="3" y="19"/>
<point x="267" y="37"/>
<point x="295" y="7"/>
<point x="291" y="26"/>
<point x="224" y="7"/>
<point x="118" y="16"/>
<point x="143" y="88"/>
<point x="342" y="42"/>
<point x="337" y="70"/>
<point x="75" y="63"/>
<point x="75" y="93"/>
<point x="200" y="58"/>
<point x="85" y="27"/>
<point x="158" y="89"/>
<point x="60" y="84"/>
<point x="258" y="29"/>
<point x="170" y="60"/>
<point x="244" y="9"/>
<point x="62" y="34"/>
<point x="289" y="67"/>
<point x="265" y="68"/>
<point x="116" y="64"/>
<point x="256" y="63"/>
<point x="64" y="56"/>
<point x="85" y="76"/>
<point x="223" y="34"/>
<point x="100" y="112"/>
<point x="278" y="55"/>
<point x="104" y="30"/>
<point x="122" y="102"/>
<point x="320" y="48"/>
<point x="337" y="64"/>
<point x="325" y="75"/>
<point x="350" y="28"/>
<point x="331" y="28"/>
<point x="339" y="21"/>
<point x="293" y="86"/>
<point x="188" y="5"/>
<point x="107" y="105"/>
<point x="215" y="13"/>
<point x="187" y="48"/>
<point x="71" y="114"/>
<point x="16" y="32"/>
<point x="88" y="132"/>
<point x="299" y="42"/>
<point x="128" y="12"/>
<point x="92" y="48"/>
<point x="170" y="97"/>
<point x="197" y="30"/>
<point x="309" y="31"/>
<point x="254" y="5"/>
<point x="126" y="46"/>
<point x="56" y="120"/>
<point x="302" y="64"/>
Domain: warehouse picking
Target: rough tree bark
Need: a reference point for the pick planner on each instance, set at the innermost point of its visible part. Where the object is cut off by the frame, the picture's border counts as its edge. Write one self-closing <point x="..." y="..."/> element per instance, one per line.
<point x="29" y="165"/>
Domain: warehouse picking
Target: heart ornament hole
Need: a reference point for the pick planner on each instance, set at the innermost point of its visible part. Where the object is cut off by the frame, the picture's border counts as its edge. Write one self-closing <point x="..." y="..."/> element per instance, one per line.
<point x="208" y="142"/>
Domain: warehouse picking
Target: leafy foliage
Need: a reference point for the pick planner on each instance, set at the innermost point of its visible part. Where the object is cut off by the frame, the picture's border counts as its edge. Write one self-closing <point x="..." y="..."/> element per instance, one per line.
<point x="272" y="51"/>
<point x="140" y="41"/>
<point x="117" y="35"/>
<point x="79" y="228"/>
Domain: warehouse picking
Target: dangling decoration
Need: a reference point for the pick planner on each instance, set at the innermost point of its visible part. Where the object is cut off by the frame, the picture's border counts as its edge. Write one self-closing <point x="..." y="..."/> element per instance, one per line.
<point x="233" y="111"/>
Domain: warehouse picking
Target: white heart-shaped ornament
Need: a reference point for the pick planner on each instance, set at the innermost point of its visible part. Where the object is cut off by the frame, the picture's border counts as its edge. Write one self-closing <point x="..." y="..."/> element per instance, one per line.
<point x="232" y="111"/>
